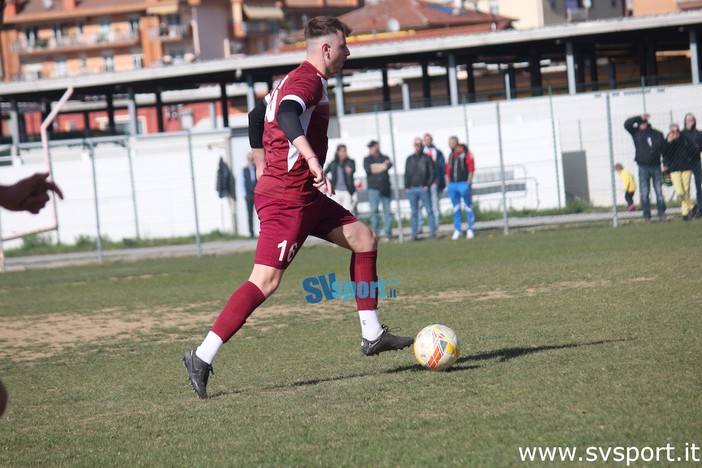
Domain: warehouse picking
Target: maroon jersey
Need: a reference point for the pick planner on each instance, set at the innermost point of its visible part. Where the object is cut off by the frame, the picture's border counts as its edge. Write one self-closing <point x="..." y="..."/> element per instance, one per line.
<point x="286" y="174"/>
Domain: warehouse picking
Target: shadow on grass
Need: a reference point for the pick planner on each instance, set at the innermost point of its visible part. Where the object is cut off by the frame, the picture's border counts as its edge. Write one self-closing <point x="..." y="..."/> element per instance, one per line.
<point x="506" y="354"/>
<point x="503" y="355"/>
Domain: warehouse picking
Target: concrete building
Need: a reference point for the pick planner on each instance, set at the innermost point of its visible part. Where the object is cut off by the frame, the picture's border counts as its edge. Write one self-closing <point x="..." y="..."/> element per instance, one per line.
<point x="657" y="7"/>
<point x="529" y="14"/>
<point x="45" y="39"/>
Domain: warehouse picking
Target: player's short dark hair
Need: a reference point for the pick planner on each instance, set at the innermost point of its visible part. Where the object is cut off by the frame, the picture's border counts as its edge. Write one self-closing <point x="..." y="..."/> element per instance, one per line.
<point x="320" y="26"/>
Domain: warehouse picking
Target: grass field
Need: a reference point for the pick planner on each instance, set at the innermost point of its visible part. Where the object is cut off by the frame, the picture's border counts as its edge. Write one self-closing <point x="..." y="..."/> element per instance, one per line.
<point x="572" y="337"/>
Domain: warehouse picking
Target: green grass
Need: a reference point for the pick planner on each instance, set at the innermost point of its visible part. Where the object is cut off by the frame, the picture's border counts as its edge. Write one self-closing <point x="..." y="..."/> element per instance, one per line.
<point x="571" y="337"/>
<point x="41" y="244"/>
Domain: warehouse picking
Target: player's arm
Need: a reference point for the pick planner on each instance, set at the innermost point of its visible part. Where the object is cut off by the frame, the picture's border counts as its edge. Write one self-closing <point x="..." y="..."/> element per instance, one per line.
<point x="257" y="118"/>
<point x="288" y="118"/>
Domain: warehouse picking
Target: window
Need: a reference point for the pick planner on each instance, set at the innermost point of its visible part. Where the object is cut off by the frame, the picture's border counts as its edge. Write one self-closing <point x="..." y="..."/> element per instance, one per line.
<point x="33" y="71"/>
<point x="58" y="34"/>
<point x="104" y="29"/>
<point x="108" y="63"/>
<point x="134" y="26"/>
<point x="30" y="35"/>
<point x="137" y="59"/>
<point x="60" y="69"/>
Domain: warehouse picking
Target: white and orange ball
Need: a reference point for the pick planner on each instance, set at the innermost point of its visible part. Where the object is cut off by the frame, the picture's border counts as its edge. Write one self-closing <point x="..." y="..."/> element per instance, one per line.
<point x="437" y="347"/>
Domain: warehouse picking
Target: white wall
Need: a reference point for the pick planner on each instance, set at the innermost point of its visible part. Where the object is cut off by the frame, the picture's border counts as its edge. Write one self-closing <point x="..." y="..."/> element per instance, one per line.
<point x="162" y="177"/>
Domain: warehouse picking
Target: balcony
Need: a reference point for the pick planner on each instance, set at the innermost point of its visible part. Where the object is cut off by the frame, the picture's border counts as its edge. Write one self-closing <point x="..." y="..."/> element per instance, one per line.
<point x="577" y="14"/>
<point x="689" y="4"/>
<point x="74" y="43"/>
<point x="170" y="33"/>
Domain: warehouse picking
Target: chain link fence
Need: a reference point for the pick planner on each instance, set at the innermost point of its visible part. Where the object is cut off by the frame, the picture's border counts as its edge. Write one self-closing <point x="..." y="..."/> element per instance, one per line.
<point x="536" y="156"/>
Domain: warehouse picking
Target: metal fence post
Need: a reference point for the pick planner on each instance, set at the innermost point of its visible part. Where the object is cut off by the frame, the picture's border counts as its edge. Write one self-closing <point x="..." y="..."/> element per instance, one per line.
<point x="198" y="241"/>
<point x="91" y="153"/>
<point x="130" y="159"/>
<point x="231" y="201"/>
<point x="397" y="179"/>
<point x="615" y="217"/>
<point x="555" y="146"/>
<point x="505" y="220"/>
<point x="465" y="122"/>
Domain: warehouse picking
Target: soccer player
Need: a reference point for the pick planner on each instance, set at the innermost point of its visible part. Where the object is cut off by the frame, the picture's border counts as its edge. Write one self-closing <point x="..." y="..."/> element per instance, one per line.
<point x="289" y="203"/>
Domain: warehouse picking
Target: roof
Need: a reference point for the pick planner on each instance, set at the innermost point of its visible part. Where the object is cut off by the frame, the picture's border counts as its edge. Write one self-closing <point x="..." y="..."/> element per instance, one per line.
<point x="404" y="35"/>
<point x="668" y="28"/>
<point x="409" y="19"/>
<point x="414" y="14"/>
<point x="34" y="10"/>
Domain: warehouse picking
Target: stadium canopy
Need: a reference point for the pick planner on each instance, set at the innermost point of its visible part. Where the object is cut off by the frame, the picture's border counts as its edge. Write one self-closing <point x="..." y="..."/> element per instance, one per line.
<point x="635" y="38"/>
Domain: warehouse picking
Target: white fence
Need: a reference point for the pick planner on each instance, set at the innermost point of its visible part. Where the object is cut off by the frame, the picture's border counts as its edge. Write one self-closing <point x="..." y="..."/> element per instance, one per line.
<point x="164" y="185"/>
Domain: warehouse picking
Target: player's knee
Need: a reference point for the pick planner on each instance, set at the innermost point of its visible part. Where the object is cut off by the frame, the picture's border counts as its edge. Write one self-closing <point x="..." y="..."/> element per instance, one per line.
<point x="368" y="242"/>
<point x="270" y="286"/>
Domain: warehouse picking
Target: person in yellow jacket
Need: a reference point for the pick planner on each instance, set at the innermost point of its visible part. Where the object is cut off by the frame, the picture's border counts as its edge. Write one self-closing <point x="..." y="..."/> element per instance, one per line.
<point x="629" y="186"/>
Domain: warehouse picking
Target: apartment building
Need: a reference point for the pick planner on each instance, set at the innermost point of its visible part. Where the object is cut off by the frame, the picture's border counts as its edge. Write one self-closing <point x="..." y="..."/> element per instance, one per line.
<point x="45" y="39"/>
<point x="531" y="14"/>
<point x="657" y="7"/>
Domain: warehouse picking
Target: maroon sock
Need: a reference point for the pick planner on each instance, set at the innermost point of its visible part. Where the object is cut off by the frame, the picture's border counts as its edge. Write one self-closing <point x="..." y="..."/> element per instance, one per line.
<point x="352" y="267"/>
<point x="363" y="269"/>
<point x="238" y="308"/>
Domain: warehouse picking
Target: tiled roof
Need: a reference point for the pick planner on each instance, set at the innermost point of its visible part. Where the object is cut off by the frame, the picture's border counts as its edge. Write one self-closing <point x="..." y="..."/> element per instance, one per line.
<point x="414" y="14"/>
<point x="36" y="7"/>
<point x="414" y="19"/>
<point x="406" y="35"/>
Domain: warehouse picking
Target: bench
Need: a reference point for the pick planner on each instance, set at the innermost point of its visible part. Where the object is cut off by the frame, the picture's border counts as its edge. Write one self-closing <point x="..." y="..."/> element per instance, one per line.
<point x="487" y="182"/>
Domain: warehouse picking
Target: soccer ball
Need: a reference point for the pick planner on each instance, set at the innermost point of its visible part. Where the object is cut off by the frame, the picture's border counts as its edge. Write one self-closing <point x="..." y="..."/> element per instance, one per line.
<point x="436" y="347"/>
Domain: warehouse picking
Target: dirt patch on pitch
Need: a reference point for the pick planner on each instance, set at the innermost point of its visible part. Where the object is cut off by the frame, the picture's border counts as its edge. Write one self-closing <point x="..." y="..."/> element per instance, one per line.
<point x="30" y="338"/>
<point x="460" y="295"/>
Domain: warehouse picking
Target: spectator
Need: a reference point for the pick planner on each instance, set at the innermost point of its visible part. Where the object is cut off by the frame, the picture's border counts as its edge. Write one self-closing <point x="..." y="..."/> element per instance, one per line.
<point x="459" y="171"/>
<point x="377" y="168"/>
<point x="439" y="184"/>
<point x="678" y="155"/>
<point x="248" y="176"/>
<point x="419" y="175"/>
<point x="629" y="186"/>
<point x="342" y="169"/>
<point x="648" y="144"/>
<point x="695" y="136"/>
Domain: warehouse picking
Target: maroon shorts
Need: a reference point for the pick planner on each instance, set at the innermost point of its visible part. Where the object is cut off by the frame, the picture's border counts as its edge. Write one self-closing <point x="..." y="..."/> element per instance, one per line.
<point x="285" y="224"/>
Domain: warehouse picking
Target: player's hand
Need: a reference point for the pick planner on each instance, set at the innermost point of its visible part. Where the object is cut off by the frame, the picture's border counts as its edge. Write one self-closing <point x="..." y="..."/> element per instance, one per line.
<point x="29" y="194"/>
<point x="320" y="180"/>
<point x="259" y="156"/>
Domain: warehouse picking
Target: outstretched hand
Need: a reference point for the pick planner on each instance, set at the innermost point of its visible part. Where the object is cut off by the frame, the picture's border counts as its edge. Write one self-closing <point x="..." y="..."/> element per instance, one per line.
<point x="29" y="194"/>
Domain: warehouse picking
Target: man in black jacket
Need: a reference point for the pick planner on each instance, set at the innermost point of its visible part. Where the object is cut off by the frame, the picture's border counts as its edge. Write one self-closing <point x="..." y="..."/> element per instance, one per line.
<point x="695" y="136"/>
<point x="419" y="175"/>
<point x="341" y="170"/>
<point x="377" y="167"/>
<point x="649" y="144"/>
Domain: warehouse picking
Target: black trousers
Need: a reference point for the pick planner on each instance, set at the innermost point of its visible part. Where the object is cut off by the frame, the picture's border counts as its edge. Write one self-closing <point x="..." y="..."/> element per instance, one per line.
<point x="629" y="197"/>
